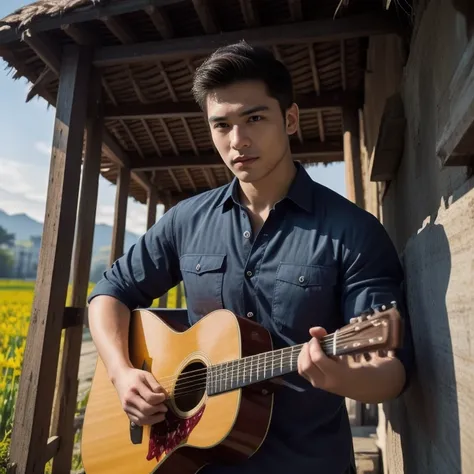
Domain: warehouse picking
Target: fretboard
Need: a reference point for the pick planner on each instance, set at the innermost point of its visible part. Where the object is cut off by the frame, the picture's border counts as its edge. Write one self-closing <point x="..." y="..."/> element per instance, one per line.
<point x="252" y="369"/>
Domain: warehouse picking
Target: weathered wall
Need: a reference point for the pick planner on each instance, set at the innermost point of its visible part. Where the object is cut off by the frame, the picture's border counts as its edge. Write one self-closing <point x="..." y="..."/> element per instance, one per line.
<point x="429" y="213"/>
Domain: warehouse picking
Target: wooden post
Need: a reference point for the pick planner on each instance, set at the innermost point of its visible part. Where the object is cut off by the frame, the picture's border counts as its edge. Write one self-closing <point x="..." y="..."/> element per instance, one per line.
<point x="63" y="416"/>
<point x="353" y="166"/>
<point x="179" y="295"/>
<point x="118" y="236"/>
<point x="152" y="201"/>
<point x="29" y="444"/>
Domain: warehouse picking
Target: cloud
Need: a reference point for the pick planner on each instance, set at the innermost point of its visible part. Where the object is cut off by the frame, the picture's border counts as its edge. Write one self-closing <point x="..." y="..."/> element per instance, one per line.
<point x="43" y="148"/>
<point x="23" y="189"/>
<point x="24" y="180"/>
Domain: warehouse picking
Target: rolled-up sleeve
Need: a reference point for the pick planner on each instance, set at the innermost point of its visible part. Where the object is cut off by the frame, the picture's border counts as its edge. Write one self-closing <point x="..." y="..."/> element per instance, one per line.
<point x="373" y="276"/>
<point x="147" y="270"/>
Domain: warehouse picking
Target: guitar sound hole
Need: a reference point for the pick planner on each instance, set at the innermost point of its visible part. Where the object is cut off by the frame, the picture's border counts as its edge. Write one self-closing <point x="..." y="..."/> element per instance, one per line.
<point x="190" y="386"/>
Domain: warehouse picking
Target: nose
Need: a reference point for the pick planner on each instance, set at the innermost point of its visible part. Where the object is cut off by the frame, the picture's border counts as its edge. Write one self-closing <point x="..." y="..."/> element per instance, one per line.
<point x="239" y="138"/>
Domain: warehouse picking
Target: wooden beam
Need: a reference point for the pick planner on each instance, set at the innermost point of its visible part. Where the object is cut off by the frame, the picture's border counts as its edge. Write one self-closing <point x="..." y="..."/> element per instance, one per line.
<point x="205" y="15"/>
<point x="81" y="36"/>
<point x="65" y="408"/>
<point x="293" y="33"/>
<point x="45" y="49"/>
<point x="52" y="447"/>
<point x="119" y="28"/>
<point x="353" y="164"/>
<point x="249" y="13"/>
<point x="38" y="375"/>
<point x="120" y="217"/>
<point x="296" y="10"/>
<point x="187" y="109"/>
<point x="327" y="152"/>
<point x="46" y="77"/>
<point x="151" y="203"/>
<point x="161" y="21"/>
<point x="82" y="15"/>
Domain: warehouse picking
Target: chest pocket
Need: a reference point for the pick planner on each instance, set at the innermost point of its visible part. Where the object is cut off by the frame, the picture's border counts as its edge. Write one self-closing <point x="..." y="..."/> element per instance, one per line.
<point x="304" y="296"/>
<point x="203" y="277"/>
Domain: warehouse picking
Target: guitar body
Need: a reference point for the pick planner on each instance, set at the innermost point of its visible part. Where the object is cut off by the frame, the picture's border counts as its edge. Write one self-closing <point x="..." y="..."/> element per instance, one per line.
<point x="228" y="427"/>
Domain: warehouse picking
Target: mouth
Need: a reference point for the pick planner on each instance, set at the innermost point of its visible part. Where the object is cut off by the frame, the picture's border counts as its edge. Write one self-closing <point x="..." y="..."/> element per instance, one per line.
<point x="244" y="159"/>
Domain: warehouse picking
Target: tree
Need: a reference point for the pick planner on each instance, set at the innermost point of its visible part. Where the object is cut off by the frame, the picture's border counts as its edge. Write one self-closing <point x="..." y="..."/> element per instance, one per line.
<point x="6" y="239"/>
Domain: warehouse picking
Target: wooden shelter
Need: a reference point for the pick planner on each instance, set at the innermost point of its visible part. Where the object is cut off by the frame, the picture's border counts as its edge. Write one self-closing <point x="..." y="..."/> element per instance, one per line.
<point x="119" y="74"/>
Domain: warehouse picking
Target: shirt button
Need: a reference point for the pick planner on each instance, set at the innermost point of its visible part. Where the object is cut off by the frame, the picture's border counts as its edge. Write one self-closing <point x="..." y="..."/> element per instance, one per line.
<point x="198" y="267"/>
<point x="250" y="314"/>
<point x="301" y="279"/>
<point x="247" y="234"/>
<point x="249" y="273"/>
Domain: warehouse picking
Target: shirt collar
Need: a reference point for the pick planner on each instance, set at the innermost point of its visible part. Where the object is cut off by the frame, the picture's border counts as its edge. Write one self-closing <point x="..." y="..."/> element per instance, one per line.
<point x="300" y="191"/>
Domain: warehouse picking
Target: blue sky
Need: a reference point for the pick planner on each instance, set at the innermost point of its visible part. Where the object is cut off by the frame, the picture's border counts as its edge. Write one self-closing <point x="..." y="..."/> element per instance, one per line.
<point x="25" y="138"/>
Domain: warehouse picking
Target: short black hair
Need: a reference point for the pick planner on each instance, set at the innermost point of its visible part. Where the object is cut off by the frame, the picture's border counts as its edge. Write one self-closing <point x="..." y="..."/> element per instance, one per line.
<point x="242" y="62"/>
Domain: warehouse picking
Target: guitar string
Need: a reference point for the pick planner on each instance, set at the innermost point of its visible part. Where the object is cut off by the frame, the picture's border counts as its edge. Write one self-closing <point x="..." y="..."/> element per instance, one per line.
<point x="260" y="360"/>
<point x="196" y="388"/>
<point x="326" y="343"/>
<point x="215" y="377"/>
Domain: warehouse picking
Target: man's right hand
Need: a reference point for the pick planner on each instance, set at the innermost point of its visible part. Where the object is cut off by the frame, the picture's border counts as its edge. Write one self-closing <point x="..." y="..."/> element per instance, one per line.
<point x="141" y="396"/>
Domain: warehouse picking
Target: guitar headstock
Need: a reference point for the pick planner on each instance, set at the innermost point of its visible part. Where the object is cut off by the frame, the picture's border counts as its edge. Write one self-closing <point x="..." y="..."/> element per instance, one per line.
<point x="380" y="329"/>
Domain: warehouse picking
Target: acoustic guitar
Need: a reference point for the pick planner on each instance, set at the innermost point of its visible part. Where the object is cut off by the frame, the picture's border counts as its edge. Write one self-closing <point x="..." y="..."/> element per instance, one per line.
<point x="218" y="375"/>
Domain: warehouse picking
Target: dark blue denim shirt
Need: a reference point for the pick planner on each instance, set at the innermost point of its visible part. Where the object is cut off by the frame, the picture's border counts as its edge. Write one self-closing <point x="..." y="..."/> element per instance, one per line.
<point x="318" y="260"/>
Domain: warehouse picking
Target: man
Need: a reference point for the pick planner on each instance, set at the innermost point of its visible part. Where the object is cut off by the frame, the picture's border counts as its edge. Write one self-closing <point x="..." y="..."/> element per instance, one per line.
<point x="275" y="247"/>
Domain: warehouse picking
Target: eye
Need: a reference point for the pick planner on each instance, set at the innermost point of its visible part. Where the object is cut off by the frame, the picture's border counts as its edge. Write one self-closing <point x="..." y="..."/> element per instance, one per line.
<point x="255" y="118"/>
<point x="220" y="125"/>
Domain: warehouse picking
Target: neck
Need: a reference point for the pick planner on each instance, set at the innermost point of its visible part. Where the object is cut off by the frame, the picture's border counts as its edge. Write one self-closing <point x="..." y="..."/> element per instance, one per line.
<point x="263" y="194"/>
<point x="259" y="367"/>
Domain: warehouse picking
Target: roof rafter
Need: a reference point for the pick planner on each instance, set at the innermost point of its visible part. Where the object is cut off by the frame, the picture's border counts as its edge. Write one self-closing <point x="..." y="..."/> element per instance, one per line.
<point x="293" y="33"/>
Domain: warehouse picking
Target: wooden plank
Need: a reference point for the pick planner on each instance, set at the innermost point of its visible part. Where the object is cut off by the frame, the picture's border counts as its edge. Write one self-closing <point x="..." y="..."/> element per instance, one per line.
<point x="52" y="447"/>
<point x="118" y="235"/>
<point x="73" y="316"/>
<point x="327" y="151"/>
<point x="38" y="376"/>
<point x="293" y="33"/>
<point x="152" y="202"/>
<point x="81" y="15"/>
<point x="65" y="408"/>
<point x="455" y="118"/>
<point x="353" y="165"/>
<point x="170" y="109"/>
<point x="390" y="142"/>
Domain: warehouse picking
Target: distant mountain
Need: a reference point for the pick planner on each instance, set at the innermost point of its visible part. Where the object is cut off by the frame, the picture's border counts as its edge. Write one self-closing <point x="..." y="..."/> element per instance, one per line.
<point x="25" y="227"/>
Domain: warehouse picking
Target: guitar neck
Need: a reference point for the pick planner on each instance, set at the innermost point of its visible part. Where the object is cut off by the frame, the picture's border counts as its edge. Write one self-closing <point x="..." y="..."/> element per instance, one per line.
<point x="260" y="367"/>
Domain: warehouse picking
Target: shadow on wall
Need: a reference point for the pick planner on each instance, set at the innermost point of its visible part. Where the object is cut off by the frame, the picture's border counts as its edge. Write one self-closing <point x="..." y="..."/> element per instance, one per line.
<point x="426" y="418"/>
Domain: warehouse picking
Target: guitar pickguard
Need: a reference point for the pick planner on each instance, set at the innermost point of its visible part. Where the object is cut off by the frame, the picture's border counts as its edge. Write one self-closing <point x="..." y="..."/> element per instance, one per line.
<point x="170" y="433"/>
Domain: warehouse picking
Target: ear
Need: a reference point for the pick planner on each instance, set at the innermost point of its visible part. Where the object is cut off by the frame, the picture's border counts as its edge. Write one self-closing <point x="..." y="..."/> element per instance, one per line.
<point x="292" y="119"/>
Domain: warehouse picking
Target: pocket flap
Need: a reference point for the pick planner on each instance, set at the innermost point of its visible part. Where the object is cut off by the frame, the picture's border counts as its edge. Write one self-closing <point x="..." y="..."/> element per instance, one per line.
<point x="199" y="263"/>
<point x="306" y="275"/>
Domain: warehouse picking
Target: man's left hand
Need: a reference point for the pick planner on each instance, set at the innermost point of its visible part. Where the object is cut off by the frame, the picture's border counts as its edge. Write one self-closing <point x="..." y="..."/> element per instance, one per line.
<point x="315" y="366"/>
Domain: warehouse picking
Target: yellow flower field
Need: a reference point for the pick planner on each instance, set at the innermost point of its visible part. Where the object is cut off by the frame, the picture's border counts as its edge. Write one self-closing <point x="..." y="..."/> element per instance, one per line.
<point x="16" y="299"/>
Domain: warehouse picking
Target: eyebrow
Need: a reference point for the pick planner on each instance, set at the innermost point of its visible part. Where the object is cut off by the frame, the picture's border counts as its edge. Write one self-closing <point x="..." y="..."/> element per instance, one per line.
<point x="252" y="110"/>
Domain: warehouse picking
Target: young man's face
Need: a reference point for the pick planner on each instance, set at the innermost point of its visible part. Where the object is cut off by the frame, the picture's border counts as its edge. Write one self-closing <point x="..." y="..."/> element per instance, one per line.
<point x="248" y="129"/>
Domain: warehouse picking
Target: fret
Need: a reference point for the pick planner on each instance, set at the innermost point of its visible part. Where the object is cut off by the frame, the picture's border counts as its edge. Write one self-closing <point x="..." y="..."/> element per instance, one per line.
<point x="265" y="365"/>
<point x="273" y="360"/>
<point x="281" y="362"/>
